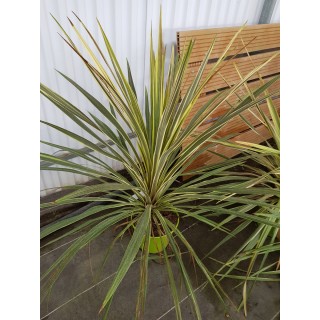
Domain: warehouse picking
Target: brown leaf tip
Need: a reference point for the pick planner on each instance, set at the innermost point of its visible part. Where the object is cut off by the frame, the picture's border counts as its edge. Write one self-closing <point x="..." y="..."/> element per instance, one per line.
<point x="70" y="22"/>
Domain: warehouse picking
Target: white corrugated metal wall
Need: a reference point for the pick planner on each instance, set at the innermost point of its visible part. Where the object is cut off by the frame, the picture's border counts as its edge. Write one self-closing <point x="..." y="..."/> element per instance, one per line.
<point x="127" y="24"/>
<point x="275" y="18"/>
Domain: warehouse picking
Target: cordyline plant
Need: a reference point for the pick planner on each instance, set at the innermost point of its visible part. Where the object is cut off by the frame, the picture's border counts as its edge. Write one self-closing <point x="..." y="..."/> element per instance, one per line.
<point x="153" y="164"/>
<point x="250" y="262"/>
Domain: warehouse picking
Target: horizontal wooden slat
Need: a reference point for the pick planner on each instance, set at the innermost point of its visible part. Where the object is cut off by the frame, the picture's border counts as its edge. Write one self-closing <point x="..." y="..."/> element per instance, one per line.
<point x="240" y="46"/>
<point x="208" y="158"/>
<point x="224" y="107"/>
<point x="203" y="32"/>
<point x="270" y="33"/>
<point x="223" y="38"/>
<point x="264" y="39"/>
<point x="229" y="72"/>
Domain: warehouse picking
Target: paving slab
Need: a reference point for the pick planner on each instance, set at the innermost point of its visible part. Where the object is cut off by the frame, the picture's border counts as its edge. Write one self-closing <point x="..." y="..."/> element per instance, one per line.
<point x="81" y="288"/>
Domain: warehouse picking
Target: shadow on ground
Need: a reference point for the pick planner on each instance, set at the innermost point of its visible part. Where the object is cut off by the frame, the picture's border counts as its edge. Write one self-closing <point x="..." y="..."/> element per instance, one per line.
<point x="80" y="290"/>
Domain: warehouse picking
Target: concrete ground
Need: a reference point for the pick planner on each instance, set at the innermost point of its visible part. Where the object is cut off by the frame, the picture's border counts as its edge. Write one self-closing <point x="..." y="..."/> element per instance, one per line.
<point x="80" y="290"/>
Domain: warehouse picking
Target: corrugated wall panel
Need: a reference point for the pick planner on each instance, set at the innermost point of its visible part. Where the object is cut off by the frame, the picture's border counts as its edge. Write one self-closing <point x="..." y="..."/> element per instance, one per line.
<point x="127" y="24"/>
<point x="276" y="13"/>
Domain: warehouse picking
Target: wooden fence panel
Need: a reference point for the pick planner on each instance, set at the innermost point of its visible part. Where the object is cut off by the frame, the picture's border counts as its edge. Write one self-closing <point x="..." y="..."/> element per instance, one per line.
<point x="255" y="45"/>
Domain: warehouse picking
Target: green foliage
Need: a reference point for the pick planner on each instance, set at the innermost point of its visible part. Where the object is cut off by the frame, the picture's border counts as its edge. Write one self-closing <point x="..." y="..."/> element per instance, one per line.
<point x="154" y="162"/>
<point x="264" y="240"/>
